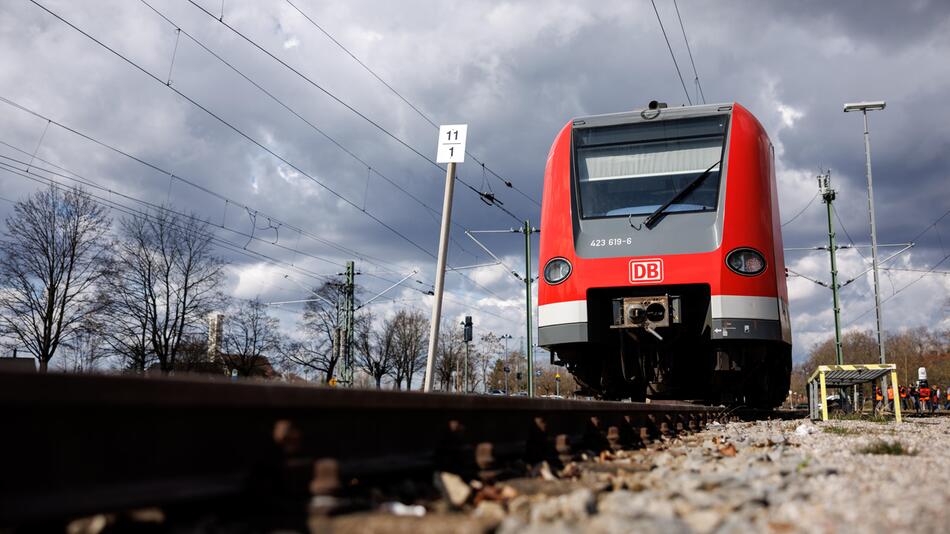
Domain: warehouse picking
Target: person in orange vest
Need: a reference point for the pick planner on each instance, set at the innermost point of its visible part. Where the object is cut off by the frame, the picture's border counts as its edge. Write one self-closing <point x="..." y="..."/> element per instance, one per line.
<point x="924" y="397"/>
<point x="903" y="395"/>
<point x="878" y="399"/>
<point x="947" y="405"/>
<point x="934" y="399"/>
<point x="890" y="396"/>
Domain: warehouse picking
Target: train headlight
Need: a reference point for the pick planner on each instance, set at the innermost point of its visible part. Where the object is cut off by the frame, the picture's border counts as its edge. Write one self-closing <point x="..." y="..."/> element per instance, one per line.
<point x="556" y="270"/>
<point x="746" y="261"/>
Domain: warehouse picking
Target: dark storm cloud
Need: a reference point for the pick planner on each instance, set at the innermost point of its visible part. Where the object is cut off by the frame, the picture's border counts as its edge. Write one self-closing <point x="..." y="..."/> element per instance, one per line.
<point x="516" y="72"/>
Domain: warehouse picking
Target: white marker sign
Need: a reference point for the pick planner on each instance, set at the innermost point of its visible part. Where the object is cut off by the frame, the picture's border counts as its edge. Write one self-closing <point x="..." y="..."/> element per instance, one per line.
<point x="451" y="143"/>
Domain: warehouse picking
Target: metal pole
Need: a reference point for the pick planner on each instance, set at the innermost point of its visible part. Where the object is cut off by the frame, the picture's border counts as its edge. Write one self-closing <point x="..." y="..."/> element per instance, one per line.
<point x="484" y="371"/>
<point x="348" y="340"/>
<point x="529" y="353"/>
<point x="440" y="275"/>
<point x="465" y="371"/>
<point x="828" y="194"/>
<point x="877" y="284"/>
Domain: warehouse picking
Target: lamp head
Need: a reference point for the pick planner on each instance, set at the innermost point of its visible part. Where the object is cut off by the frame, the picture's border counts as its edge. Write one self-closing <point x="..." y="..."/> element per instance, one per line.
<point x="864" y="106"/>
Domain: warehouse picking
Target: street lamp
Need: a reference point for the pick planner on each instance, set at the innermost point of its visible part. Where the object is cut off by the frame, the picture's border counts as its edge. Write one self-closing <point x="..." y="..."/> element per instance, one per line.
<point x="864" y="107"/>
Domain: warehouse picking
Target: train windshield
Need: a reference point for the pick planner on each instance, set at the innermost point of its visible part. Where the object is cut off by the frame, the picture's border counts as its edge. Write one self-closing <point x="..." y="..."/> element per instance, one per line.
<point x="633" y="169"/>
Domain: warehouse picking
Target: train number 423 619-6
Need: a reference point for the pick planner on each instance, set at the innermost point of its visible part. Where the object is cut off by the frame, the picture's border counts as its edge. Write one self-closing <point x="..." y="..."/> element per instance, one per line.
<point x="612" y="242"/>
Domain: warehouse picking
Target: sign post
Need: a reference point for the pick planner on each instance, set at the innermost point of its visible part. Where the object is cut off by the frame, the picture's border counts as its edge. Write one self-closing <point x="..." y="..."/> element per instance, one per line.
<point x="451" y="151"/>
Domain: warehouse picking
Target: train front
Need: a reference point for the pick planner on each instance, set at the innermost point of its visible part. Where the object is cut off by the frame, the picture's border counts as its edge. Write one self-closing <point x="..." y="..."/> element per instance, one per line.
<point x="661" y="257"/>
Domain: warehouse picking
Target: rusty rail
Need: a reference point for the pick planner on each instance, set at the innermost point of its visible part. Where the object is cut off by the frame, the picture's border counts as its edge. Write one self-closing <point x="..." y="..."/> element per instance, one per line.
<point x="74" y="445"/>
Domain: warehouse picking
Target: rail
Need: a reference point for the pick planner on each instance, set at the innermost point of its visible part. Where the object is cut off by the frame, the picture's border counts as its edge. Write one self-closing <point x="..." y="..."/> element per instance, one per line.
<point x="75" y="445"/>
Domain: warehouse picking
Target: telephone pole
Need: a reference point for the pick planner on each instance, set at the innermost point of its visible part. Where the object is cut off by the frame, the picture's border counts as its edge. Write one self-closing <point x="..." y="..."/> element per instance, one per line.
<point x="828" y="195"/>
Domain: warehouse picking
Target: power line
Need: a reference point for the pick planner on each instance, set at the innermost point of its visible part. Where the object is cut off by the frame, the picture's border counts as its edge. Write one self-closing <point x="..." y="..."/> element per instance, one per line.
<point x="931" y="271"/>
<point x="918" y="279"/>
<point x="90" y="183"/>
<point x="217" y="240"/>
<point x="699" y="87"/>
<point x="931" y="225"/>
<point x="338" y="144"/>
<point x="362" y="257"/>
<point x="675" y="64"/>
<point x="172" y="176"/>
<point x="268" y="150"/>
<point x="797" y="215"/>
<point x="111" y="204"/>
<point x="487" y="198"/>
<point x="241" y="133"/>
<point x="415" y="108"/>
<point x="840" y="222"/>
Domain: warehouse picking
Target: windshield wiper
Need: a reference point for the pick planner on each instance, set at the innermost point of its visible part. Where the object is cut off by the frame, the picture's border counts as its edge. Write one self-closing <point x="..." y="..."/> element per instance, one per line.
<point x="655" y="217"/>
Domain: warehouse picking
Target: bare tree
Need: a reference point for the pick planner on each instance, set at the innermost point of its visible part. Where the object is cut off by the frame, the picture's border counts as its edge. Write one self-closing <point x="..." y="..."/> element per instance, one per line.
<point x="55" y="251"/>
<point x="250" y="335"/>
<point x="86" y="349"/>
<point x="489" y="345"/>
<point x="448" y="360"/>
<point x="411" y="340"/>
<point x="167" y="282"/>
<point x="126" y="292"/>
<point x="376" y="349"/>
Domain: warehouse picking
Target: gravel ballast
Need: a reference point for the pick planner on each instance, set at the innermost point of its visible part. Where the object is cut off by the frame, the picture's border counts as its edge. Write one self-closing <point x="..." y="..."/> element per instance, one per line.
<point x="764" y="476"/>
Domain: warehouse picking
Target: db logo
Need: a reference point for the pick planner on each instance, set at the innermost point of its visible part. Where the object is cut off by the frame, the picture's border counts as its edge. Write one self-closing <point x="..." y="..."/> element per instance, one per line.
<point x="646" y="271"/>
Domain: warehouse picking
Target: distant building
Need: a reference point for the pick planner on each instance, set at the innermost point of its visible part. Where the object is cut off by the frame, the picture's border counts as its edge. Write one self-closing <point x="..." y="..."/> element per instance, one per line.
<point x="215" y="335"/>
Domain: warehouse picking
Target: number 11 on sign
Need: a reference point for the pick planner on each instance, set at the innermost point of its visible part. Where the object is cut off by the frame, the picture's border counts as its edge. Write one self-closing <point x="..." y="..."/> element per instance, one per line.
<point x="451" y="143"/>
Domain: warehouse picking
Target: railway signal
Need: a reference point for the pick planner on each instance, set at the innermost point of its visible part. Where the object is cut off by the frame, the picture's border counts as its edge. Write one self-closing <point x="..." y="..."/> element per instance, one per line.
<point x="451" y="150"/>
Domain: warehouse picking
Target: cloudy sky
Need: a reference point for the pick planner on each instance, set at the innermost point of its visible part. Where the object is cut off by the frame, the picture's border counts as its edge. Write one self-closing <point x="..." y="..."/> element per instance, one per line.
<point x="311" y="168"/>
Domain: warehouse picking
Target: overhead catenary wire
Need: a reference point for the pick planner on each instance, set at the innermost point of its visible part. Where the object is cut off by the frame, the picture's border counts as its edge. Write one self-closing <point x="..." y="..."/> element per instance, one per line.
<point x="241" y="132"/>
<point x="86" y="181"/>
<point x="173" y="176"/>
<point x="489" y="199"/>
<point x="264" y="147"/>
<point x="218" y="241"/>
<point x="672" y="55"/>
<point x="847" y="234"/>
<point x="699" y="86"/>
<point x="112" y="204"/>
<point x="801" y="211"/>
<point x="92" y="184"/>
<point x="399" y="95"/>
<point x="902" y="288"/>
<point x="322" y="132"/>
<point x="261" y="145"/>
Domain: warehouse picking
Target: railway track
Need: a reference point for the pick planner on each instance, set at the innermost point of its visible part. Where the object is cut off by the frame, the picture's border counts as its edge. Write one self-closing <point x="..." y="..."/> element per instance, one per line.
<point x="77" y="445"/>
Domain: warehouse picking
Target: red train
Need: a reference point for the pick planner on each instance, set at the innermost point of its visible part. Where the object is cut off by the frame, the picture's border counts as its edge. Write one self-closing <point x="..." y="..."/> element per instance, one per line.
<point x="661" y="255"/>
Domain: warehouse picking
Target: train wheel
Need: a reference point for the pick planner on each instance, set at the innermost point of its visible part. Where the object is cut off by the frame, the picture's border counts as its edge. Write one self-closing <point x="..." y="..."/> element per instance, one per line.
<point x="766" y="384"/>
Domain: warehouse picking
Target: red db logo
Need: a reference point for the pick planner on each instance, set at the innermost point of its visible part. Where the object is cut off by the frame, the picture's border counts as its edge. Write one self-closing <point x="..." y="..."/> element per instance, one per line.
<point x="646" y="271"/>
